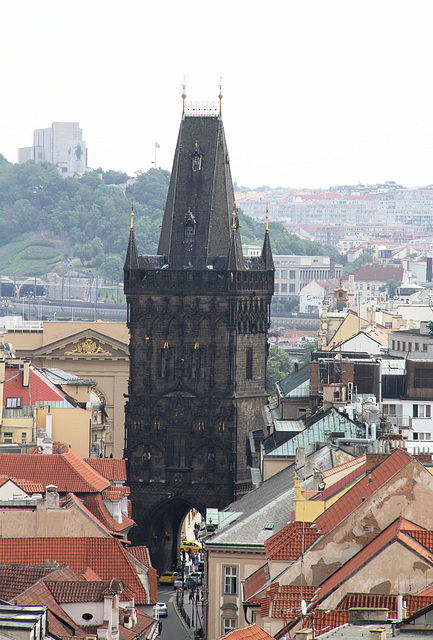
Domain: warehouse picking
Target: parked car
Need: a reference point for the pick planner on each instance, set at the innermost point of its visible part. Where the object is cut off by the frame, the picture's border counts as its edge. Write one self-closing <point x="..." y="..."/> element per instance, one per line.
<point x="168" y="577"/>
<point x="188" y="582"/>
<point x="190" y="545"/>
<point x="197" y="577"/>
<point x="160" y="610"/>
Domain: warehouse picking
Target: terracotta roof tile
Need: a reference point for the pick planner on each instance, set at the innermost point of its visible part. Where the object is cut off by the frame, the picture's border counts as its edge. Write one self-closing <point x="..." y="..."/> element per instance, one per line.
<point x="251" y="632"/>
<point x="285" y="601"/>
<point x="350" y="478"/>
<point x="106" y="556"/>
<point x="60" y="623"/>
<point x="26" y="485"/>
<point x="289" y="542"/>
<point x="89" y="574"/>
<point x="79" y="591"/>
<point x="115" y="493"/>
<point x="15" y="578"/>
<point x="67" y="471"/>
<point x="143" y="626"/>
<point x="341" y="467"/>
<point x="141" y="554"/>
<point x="399" y="530"/>
<point x="111" y="468"/>
<point x="71" y="501"/>
<point x="255" y="582"/>
<point x="96" y="506"/>
<point x="361" y="490"/>
<point x="327" y="620"/>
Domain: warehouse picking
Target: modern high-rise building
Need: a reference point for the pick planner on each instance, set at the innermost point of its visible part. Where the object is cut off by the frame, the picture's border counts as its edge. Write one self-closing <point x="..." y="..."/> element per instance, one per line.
<point x="198" y="315"/>
<point x="62" y="144"/>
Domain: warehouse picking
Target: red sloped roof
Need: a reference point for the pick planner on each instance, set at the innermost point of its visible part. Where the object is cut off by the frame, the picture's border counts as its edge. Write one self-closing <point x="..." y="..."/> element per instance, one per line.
<point x="255" y="582"/>
<point x="141" y="554"/>
<point x="67" y="591"/>
<point x="346" y="465"/>
<point x="59" y="622"/>
<point x="327" y="620"/>
<point x="15" y="578"/>
<point x="285" y="601"/>
<point x="351" y="477"/>
<point x="96" y="506"/>
<point x="251" y="632"/>
<point x="362" y="490"/>
<point x="143" y="626"/>
<point x="40" y="389"/>
<point x="111" y="468"/>
<point x="106" y="556"/>
<point x="71" y="500"/>
<point x="289" y="542"/>
<point x="400" y="530"/>
<point x="67" y="471"/>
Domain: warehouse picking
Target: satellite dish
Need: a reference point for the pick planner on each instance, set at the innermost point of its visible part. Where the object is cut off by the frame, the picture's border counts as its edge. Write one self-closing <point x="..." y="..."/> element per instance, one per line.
<point x="304" y="608"/>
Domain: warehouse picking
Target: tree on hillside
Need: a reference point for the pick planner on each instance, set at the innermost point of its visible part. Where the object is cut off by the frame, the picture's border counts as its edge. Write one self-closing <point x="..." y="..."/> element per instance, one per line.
<point x="390" y="287"/>
<point x="366" y="257"/>
<point x="278" y="367"/>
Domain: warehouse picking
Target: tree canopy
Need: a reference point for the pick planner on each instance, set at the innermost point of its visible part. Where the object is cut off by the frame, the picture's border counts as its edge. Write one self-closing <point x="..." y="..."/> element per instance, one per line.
<point x="279" y="366"/>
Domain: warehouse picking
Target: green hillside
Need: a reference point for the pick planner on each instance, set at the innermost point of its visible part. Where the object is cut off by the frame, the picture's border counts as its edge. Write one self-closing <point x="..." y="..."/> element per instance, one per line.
<point x="86" y="219"/>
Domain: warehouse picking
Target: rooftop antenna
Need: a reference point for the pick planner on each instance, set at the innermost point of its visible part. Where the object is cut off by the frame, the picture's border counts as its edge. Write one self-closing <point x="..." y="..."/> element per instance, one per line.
<point x="221" y="96"/>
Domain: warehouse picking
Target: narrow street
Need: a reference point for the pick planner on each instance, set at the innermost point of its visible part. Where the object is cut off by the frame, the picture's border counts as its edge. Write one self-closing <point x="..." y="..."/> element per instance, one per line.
<point x="174" y="627"/>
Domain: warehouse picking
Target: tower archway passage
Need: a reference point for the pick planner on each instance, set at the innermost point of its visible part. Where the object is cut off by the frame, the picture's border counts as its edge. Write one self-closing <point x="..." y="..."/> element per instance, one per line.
<point x="198" y="315"/>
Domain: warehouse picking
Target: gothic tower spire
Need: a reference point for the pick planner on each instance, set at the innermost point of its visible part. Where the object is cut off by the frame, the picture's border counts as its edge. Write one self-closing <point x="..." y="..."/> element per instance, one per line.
<point x="266" y="250"/>
<point x="131" y="260"/>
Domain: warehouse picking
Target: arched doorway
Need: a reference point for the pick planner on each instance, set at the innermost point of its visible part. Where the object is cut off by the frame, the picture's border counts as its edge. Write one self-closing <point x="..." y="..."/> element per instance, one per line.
<point x="160" y="531"/>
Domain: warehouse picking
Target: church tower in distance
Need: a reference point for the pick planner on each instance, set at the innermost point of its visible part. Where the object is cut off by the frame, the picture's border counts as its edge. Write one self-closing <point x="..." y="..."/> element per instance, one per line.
<point x="198" y="315"/>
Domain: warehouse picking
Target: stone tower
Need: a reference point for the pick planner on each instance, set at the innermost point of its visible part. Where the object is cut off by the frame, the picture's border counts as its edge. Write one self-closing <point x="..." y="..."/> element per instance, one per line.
<point x="198" y="315"/>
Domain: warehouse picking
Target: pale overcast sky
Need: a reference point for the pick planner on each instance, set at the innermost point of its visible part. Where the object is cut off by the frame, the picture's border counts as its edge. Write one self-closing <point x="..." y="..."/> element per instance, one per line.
<point x="316" y="92"/>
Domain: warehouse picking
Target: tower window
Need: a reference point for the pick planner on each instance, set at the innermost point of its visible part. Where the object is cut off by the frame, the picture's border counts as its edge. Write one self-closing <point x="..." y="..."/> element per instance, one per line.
<point x="167" y="363"/>
<point x="249" y="364"/>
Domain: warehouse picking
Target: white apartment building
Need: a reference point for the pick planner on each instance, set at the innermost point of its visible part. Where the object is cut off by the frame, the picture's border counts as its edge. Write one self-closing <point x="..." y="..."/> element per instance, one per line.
<point x="61" y="144"/>
<point x="292" y="273"/>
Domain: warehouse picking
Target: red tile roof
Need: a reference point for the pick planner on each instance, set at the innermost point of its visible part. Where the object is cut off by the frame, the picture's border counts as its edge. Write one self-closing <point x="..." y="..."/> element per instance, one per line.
<point x="346" y="465"/>
<point x="26" y="485"/>
<point x="40" y="389"/>
<point x="111" y="468"/>
<point x="285" y="601"/>
<point x="362" y="490"/>
<point x="143" y="626"/>
<point x="59" y="622"/>
<point x="15" y="578"/>
<point x="67" y="471"/>
<point x="377" y="273"/>
<point x="255" y="583"/>
<point x="289" y="542"/>
<point x="68" y="591"/>
<point x="115" y="493"/>
<point x="106" y="556"/>
<point x="251" y="632"/>
<point x="374" y="601"/>
<point x="141" y="554"/>
<point x="400" y="530"/>
<point x="70" y="501"/>
<point x="96" y="506"/>
<point x="327" y="620"/>
<point x="350" y="478"/>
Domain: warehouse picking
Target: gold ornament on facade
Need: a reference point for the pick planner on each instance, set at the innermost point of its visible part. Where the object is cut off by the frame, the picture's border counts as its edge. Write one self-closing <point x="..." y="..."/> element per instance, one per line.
<point x="88" y="347"/>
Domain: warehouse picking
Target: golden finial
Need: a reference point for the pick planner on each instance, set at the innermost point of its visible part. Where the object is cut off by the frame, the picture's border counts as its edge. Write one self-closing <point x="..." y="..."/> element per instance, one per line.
<point x="183" y="95"/>
<point x="132" y="215"/>
<point x="234" y="219"/>
<point x="267" y="219"/>
<point x="221" y="95"/>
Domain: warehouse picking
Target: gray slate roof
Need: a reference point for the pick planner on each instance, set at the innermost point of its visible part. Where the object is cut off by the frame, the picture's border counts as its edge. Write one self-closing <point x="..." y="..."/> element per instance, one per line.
<point x="273" y="502"/>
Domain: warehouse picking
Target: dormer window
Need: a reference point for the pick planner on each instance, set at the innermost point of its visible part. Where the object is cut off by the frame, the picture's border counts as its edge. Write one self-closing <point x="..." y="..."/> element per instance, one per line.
<point x="189" y="229"/>
<point x="196" y="157"/>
